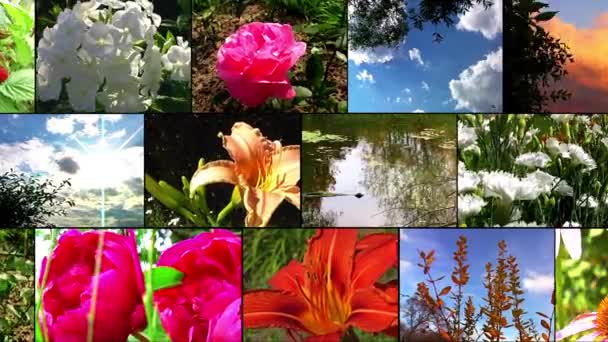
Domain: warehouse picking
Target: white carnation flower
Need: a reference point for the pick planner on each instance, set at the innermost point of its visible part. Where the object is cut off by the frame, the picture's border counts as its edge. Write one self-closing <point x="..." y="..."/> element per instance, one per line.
<point x="467" y="181"/>
<point x="587" y="201"/>
<point x="580" y="157"/>
<point x="561" y="118"/>
<point x="469" y="205"/>
<point x="466" y="136"/>
<point x="533" y="159"/>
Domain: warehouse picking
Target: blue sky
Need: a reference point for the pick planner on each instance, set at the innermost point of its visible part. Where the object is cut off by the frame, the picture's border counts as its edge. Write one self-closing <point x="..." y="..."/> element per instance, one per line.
<point x="534" y="249"/>
<point x="93" y="151"/>
<point x="581" y="13"/>
<point x="416" y="75"/>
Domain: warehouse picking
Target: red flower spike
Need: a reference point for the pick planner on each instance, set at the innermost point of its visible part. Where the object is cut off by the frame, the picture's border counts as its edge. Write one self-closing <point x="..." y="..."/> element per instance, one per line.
<point x="333" y="289"/>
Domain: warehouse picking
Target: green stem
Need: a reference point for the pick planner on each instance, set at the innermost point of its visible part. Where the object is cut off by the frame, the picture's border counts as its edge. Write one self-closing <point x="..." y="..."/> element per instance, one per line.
<point x="43" y="286"/>
<point x="98" y="259"/>
<point x="225" y="212"/>
<point x="140" y="337"/>
<point x="148" y="296"/>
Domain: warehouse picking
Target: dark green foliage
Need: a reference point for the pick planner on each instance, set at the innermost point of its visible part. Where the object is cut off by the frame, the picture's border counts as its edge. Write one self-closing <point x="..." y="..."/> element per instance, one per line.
<point x="29" y="202"/>
<point x="534" y="61"/>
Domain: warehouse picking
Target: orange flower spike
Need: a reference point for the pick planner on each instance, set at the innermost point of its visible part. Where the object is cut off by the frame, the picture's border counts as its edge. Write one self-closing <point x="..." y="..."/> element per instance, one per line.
<point x="333" y="289"/>
<point x="266" y="172"/>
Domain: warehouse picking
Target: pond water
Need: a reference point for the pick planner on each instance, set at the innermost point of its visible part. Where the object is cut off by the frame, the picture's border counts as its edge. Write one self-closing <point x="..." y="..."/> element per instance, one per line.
<point x="404" y="165"/>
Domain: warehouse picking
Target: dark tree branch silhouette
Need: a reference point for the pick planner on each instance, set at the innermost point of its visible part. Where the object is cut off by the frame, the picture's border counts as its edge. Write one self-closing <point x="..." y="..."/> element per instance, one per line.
<point x="29" y="202"/>
<point x="535" y="60"/>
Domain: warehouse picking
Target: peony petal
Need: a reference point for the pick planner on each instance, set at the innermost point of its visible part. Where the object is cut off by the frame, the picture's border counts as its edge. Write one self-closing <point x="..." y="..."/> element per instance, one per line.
<point x="371" y="312"/>
<point x="269" y="308"/>
<point x="288" y="165"/>
<point x="331" y="252"/>
<point x="372" y="262"/>
<point x="288" y="278"/>
<point x="260" y="206"/>
<point x="221" y="171"/>
<point x="572" y="241"/>
<point x="581" y="323"/>
<point x="227" y="327"/>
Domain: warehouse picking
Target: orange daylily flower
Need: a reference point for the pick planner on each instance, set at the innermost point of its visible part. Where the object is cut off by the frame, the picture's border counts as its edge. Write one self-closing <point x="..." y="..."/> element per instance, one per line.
<point x="332" y="290"/>
<point x="266" y="172"/>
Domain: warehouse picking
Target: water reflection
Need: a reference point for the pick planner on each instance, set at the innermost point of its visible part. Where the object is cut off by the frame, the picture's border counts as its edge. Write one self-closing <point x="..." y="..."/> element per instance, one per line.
<point x="404" y="165"/>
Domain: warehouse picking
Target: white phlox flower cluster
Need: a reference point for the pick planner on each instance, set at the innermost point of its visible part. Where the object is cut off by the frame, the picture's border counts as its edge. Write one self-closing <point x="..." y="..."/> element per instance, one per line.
<point x="104" y="51"/>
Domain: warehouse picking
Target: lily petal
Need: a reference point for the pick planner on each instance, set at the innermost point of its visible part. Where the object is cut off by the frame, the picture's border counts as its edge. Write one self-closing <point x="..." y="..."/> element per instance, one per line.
<point x="335" y="337"/>
<point x="333" y="250"/>
<point x="270" y="308"/>
<point x="371" y="263"/>
<point x="260" y="206"/>
<point x="572" y="241"/>
<point x="371" y="312"/>
<point x="248" y="148"/>
<point x="288" y="278"/>
<point x="292" y="195"/>
<point x="220" y="171"/>
<point x="288" y="165"/>
<point x="579" y="324"/>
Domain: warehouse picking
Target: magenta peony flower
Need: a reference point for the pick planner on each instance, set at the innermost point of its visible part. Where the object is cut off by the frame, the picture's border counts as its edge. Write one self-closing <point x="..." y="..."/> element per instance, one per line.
<point x="67" y="294"/>
<point x="207" y="305"/>
<point x="255" y="61"/>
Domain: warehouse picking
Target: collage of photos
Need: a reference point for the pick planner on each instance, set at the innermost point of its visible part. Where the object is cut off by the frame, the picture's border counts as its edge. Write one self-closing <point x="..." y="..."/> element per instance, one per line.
<point x="303" y="171"/>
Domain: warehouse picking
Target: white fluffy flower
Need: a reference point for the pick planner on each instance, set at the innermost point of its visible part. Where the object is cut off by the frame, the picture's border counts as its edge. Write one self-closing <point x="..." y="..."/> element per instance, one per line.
<point x="605" y="141"/>
<point x="547" y="183"/>
<point x="469" y="205"/>
<point x="523" y="224"/>
<point x="466" y="136"/>
<point x="562" y="117"/>
<point x="508" y="187"/>
<point x="97" y="48"/>
<point x="587" y="201"/>
<point x="580" y="157"/>
<point x="533" y="159"/>
<point x="177" y="61"/>
<point x="467" y="181"/>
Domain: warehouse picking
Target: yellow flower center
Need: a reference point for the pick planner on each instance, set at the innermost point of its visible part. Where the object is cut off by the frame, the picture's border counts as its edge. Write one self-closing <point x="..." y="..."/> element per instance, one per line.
<point x="268" y="176"/>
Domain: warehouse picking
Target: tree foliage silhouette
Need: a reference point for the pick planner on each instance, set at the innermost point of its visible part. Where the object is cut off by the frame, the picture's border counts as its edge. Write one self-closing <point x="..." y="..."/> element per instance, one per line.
<point x="29" y="202"/>
<point x="534" y="59"/>
<point x="376" y="23"/>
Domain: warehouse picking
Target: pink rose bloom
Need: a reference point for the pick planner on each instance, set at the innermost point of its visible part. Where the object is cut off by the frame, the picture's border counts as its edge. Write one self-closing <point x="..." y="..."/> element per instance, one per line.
<point x="67" y="294"/>
<point x="255" y="61"/>
<point x="207" y="305"/>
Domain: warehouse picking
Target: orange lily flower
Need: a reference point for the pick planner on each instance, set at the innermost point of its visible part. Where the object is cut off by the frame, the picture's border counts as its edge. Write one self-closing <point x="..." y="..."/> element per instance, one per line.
<point x="332" y="290"/>
<point x="266" y="172"/>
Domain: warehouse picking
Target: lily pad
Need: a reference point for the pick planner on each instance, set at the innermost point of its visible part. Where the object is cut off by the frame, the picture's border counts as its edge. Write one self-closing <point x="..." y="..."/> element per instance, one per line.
<point x="429" y="134"/>
<point x="317" y="136"/>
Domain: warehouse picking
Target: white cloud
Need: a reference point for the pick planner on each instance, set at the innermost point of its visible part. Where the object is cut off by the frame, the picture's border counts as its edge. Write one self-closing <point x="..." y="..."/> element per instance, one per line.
<point x="425" y="86"/>
<point x="405" y="265"/>
<point x="407" y="90"/>
<point x="403" y="235"/>
<point x="538" y="282"/>
<point x="15" y="116"/>
<point x="415" y="55"/>
<point x="478" y="19"/>
<point x="371" y="56"/>
<point x="365" y="76"/>
<point x="398" y="100"/>
<point x="112" y="117"/>
<point x="418" y="110"/>
<point x="479" y="87"/>
<point x="117" y="134"/>
<point x="27" y="156"/>
<point x="67" y="124"/>
<point x="60" y="125"/>
<point x="409" y="100"/>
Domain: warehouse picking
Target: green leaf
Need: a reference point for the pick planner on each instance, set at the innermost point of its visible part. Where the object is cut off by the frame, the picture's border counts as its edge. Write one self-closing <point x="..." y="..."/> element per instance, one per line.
<point x="20" y="18"/>
<point x="302" y="91"/>
<point x="7" y="105"/>
<point x="24" y="52"/>
<point x="19" y="86"/>
<point x="545" y="16"/>
<point x="164" y="277"/>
